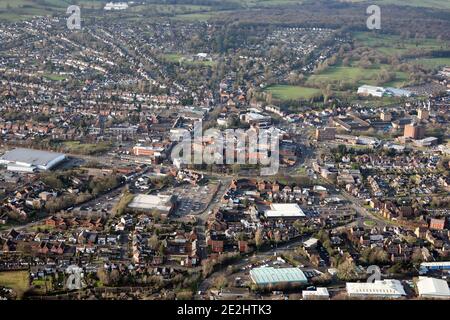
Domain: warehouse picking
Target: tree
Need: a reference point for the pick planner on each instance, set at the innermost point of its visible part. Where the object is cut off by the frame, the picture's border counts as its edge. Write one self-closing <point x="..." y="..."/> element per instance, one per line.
<point x="207" y="267"/>
<point x="220" y="282"/>
<point x="346" y="270"/>
<point x="153" y="242"/>
<point x="114" y="277"/>
<point x="259" y="238"/>
<point x="103" y="276"/>
<point x="184" y="295"/>
<point x="417" y="257"/>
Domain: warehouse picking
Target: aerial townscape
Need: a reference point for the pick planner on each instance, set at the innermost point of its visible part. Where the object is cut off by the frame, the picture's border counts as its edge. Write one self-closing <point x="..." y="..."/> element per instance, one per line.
<point x="102" y="196"/>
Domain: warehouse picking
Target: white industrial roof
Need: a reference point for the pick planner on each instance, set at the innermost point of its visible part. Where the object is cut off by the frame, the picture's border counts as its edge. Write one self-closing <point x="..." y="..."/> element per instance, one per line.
<point x="148" y="202"/>
<point x="378" y="288"/>
<point x="319" y="292"/>
<point x="433" y="287"/>
<point x="284" y="210"/>
<point x="310" y="242"/>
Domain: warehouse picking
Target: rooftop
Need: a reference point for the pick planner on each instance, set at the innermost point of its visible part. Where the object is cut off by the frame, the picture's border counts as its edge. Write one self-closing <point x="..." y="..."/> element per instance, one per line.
<point x="30" y="157"/>
<point x="286" y="210"/>
<point x="150" y="202"/>
<point x="433" y="287"/>
<point x="377" y="288"/>
<point x="270" y="275"/>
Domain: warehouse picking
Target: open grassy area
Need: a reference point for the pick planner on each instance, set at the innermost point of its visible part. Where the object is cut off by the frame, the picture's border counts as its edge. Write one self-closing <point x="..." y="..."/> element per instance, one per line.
<point x="369" y="223"/>
<point x="85" y="148"/>
<point x="203" y="16"/>
<point x="54" y="77"/>
<point x="356" y="75"/>
<point x="170" y="8"/>
<point x="395" y="45"/>
<point x="436" y="4"/>
<point x="16" y="280"/>
<point x="433" y="63"/>
<point x="15" y="10"/>
<point x="288" y="92"/>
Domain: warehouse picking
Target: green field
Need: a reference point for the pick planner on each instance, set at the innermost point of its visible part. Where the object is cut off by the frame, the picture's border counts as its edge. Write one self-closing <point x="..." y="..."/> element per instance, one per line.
<point x="287" y="92"/>
<point x="356" y="75"/>
<point x="203" y="17"/>
<point x="13" y="10"/>
<point x="437" y="4"/>
<point x="170" y="8"/>
<point x="369" y="223"/>
<point x="54" y="77"/>
<point x="395" y="45"/>
<point x="432" y="63"/>
<point x="85" y="148"/>
<point x="16" y="280"/>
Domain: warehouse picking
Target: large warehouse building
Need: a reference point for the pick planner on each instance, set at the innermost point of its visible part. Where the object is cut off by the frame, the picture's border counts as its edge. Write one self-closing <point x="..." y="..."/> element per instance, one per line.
<point x="163" y="204"/>
<point x="286" y="211"/>
<point x="380" y="288"/>
<point x="433" y="288"/>
<point x="269" y="276"/>
<point x="29" y="160"/>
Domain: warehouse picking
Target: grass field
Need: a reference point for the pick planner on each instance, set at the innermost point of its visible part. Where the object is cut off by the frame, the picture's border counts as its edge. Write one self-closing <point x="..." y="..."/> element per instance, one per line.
<point x="369" y="223"/>
<point x="16" y="280"/>
<point x="433" y="62"/>
<point x="436" y="4"/>
<point x="170" y="8"/>
<point x="85" y="148"/>
<point x="287" y="92"/>
<point x="395" y="45"/>
<point x="14" y="10"/>
<point x="356" y="75"/>
<point x="54" y="77"/>
<point x="203" y="16"/>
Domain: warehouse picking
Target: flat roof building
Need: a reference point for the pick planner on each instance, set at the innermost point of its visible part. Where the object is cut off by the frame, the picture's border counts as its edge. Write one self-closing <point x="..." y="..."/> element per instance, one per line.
<point x="116" y="6"/>
<point x="284" y="211"/>
<point x="380" y="288"/>
<point x="163" y="204"/>
<point x="318" y="294"/>
<point x="29" y="160"/>
<point x="434" y="266"/>
<point x="398" y="92"/>
<point x="266" y="276"/>
<point x="433" y="288"/>
<point x="367" y="90"/>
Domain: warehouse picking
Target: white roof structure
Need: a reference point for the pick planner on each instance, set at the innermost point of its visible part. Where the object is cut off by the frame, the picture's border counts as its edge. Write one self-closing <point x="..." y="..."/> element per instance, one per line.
<point x="311" y="242"/>
<point x="380" y="288"/>
<point x="439" y="264"/>
<point x="321" y="293"/>
<point x="371" y="90"/>
<point x="433" y="288"/>
<point x="30" y="159"/>
<point x="116" y="6"/>
<point x="284" y="210"/>
<point x="158" y="202"/>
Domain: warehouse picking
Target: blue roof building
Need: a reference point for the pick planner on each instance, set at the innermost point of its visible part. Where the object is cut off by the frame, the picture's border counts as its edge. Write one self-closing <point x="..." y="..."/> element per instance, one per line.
<point x="271" y="276"/>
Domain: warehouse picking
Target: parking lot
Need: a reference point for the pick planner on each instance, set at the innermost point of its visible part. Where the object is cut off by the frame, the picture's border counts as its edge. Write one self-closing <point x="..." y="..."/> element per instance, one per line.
<point x="193" y="199"/>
